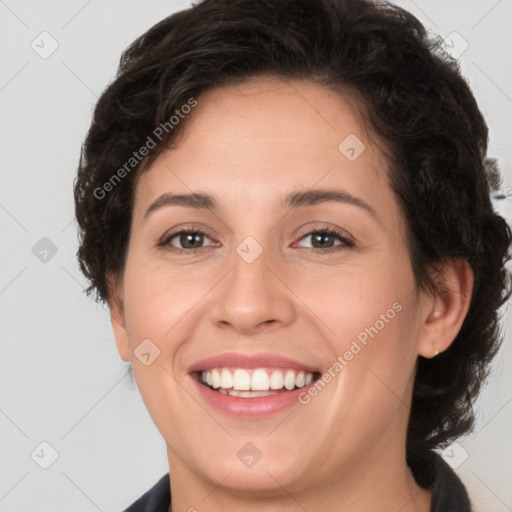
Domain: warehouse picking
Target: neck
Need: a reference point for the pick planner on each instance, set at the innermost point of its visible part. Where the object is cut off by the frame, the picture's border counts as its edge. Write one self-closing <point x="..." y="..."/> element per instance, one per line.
<point x="382" y="481"/>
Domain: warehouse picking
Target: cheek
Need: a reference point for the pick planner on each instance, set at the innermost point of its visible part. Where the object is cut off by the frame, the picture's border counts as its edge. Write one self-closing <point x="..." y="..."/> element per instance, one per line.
<point x="156" y="300"/>
<point x="361" y="296"/>
<point x="371" y="318"/>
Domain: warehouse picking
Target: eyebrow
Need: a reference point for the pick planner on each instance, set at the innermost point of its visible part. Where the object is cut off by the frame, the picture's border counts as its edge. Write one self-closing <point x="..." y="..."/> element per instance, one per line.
<point x="293" y="200"/>
<point x="196" y="200"/>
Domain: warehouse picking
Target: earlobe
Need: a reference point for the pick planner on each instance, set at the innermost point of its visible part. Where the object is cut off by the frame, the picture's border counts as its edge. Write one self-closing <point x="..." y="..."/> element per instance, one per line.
<point x="434" y="314"/>
<point x="446" y="308"/>
<point x="116" y="306"/>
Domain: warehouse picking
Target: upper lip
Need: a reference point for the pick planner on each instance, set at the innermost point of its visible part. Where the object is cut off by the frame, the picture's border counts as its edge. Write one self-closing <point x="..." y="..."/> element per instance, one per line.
<point x="237" y="360"/>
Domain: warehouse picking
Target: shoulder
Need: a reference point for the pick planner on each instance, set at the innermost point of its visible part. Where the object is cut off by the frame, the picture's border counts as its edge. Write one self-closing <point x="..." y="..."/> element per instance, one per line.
<point x="156" y="499"/>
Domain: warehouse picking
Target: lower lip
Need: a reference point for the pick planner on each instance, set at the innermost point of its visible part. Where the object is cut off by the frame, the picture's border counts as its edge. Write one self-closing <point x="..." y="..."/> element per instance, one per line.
<point x="250" y="407"/>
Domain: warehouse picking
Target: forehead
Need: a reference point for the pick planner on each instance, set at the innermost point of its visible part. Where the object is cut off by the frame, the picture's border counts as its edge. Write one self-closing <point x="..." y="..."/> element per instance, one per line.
<point x="271" y="109"/>
<point x="253" y="142"/>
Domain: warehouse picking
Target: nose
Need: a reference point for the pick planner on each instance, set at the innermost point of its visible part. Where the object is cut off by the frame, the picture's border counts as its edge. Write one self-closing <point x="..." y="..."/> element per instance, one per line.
<point x="252" y="297"/>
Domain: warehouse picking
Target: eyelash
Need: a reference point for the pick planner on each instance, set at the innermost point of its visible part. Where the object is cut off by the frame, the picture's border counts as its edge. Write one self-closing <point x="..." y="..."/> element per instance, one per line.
<point x="322" y="230"/>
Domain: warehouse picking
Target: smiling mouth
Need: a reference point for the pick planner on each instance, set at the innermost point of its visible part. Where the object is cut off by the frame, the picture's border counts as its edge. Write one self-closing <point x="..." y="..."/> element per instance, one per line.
<point x="252" y="383"/>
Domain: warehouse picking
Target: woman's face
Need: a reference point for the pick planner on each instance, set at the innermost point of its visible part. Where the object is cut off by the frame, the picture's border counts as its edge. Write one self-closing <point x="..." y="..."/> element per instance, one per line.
<point x="259" y="295"/>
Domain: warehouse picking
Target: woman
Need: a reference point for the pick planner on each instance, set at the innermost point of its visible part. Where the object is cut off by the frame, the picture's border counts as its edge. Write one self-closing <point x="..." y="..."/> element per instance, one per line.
<point x="286" y="206"/>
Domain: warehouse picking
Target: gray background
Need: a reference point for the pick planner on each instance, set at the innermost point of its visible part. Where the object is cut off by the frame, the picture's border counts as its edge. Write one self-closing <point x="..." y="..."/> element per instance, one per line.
<point x="62" y="381"/>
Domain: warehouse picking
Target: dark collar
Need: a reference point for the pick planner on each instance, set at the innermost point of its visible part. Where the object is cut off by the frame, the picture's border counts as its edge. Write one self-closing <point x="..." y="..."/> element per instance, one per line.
<point x="448" y="492"/>
<point x="430" y="471"/>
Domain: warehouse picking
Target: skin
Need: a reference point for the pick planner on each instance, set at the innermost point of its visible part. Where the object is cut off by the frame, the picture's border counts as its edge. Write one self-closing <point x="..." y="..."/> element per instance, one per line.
<point x="250" y="145"/>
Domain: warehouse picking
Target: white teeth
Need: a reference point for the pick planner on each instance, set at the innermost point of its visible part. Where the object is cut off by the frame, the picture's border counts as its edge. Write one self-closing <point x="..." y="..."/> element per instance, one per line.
<point x="215" y="378"/>
<point x="300" y="379"/>
<point x="226" y="379"/>
<point x="238" y="381"/>
<point x="245" y="394"/>
<point x="241" y="380"/>
<point x="260" y="380"/>
<point x="289" y="380"/>
<point x="276" y="380"/>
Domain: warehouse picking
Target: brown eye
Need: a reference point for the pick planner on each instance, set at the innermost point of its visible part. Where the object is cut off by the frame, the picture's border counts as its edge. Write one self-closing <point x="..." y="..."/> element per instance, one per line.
<point x="325" y="240"/>
<point x="189" y="240"/>
<point x="322" y="240"/>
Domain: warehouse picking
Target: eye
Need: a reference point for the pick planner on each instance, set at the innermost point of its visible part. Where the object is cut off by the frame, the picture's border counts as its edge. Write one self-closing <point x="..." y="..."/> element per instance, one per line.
<point x="323" y="239"/>
<point x="190" y="240"/>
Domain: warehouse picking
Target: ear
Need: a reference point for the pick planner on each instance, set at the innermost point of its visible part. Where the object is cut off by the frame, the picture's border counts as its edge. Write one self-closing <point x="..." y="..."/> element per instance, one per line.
<point x="116" y="306"/>
<point x="444" y="310"/>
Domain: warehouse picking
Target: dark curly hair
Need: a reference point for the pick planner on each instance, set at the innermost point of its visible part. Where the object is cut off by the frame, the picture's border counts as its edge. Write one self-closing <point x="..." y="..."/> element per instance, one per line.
<point x="410" y="94"/>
